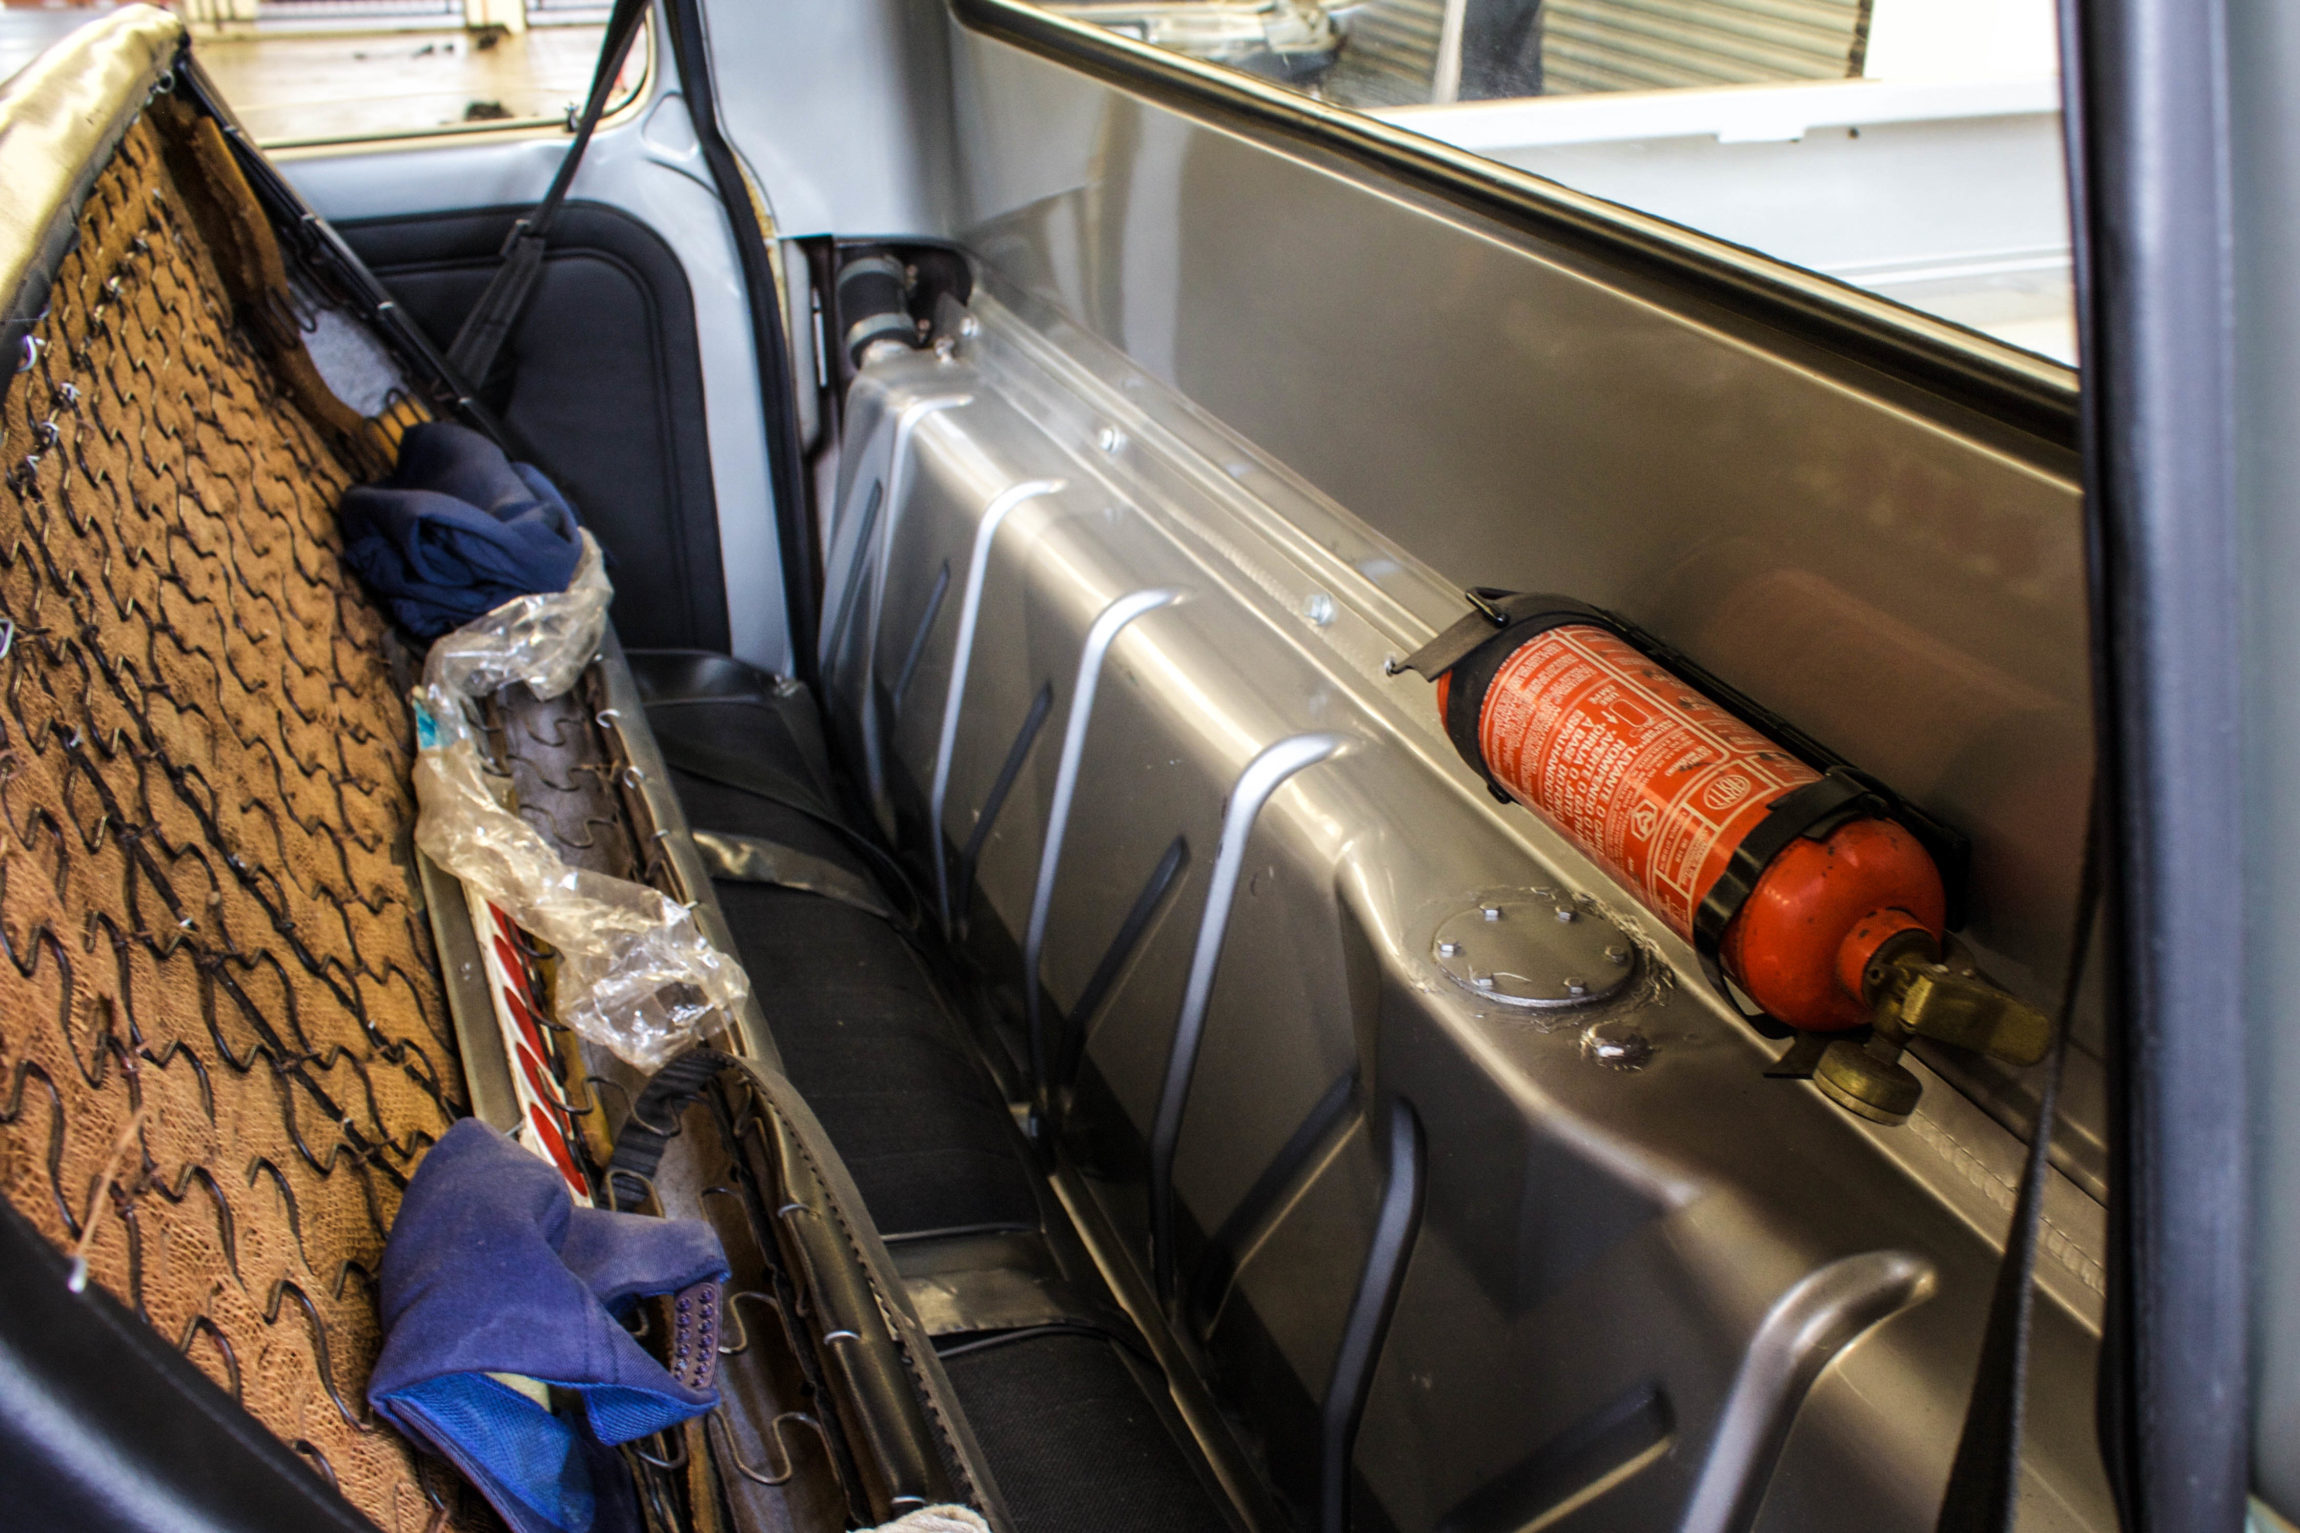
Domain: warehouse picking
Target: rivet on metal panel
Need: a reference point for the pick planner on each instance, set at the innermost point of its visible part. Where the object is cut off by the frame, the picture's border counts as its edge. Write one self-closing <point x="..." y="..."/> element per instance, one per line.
<point x="1506" y="952"/>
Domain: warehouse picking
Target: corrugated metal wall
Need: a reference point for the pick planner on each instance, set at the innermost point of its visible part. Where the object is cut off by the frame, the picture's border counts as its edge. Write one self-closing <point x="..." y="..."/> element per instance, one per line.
<point x="1594" y="45"/>
<point x="1391" y="58"/>
<point x="1597" y="45"/>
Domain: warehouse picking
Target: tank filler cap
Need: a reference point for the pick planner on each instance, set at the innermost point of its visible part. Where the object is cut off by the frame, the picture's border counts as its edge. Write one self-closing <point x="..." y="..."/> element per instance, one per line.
<point x="1536" y="949"/>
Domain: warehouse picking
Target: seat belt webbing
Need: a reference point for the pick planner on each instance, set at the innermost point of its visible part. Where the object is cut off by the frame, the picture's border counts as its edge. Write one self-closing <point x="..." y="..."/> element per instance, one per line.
<point x="490" y="321"/>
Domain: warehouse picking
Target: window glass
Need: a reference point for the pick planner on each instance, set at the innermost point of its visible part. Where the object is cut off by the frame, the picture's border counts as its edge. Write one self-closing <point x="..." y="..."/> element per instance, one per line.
<point x="317" y="71"/>
<point x="1908" y="147"/>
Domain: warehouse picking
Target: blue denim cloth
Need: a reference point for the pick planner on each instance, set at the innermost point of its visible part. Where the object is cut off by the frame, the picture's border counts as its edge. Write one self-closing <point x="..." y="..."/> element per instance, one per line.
<point x="457" y="530"/>
<point x="493" y="1268"/>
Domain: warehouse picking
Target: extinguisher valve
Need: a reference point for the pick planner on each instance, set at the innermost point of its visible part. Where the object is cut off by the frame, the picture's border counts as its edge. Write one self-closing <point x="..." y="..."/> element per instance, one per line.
<point x="1913" y="991"/>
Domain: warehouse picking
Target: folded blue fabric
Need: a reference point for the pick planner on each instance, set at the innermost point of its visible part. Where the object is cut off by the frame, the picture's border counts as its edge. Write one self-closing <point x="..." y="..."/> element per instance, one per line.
<point x="492" y="1269"/>
<point x="457" y="530"/>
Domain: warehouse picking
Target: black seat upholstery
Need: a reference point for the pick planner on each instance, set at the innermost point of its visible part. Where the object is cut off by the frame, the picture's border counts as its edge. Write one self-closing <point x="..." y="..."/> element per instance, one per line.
<point x="1074" y="1423"/>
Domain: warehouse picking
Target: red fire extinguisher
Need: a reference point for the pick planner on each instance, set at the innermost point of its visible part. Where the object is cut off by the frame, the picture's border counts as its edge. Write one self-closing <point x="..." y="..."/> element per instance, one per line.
<point x="1801" y="883"/>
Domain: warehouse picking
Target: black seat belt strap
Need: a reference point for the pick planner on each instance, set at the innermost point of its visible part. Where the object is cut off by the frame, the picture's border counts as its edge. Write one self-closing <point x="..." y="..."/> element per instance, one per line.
<point x="1984" y="1480"/>
<point x="490" y="322"/>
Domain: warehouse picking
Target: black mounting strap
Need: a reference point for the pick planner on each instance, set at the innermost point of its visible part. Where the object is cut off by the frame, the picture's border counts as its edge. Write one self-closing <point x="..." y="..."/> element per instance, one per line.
<point x="654" y="1123"/>
<point x="1811" y="811"/>
<point x="1475" y="648"/>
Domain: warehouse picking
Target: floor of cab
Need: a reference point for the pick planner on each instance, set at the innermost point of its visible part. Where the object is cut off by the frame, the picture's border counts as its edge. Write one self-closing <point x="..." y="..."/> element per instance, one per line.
<point x="1076" y="1424"/>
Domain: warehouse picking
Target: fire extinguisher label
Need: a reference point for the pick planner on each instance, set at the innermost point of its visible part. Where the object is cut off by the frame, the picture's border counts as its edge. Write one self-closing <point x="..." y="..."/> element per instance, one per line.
<point x="1649" y="777"/>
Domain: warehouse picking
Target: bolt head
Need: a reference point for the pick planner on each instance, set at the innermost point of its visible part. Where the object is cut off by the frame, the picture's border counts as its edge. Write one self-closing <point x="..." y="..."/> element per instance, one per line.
<point x="1449" y="950"/>
<point x="1576" y="987"/>
<point x="1483" y="981"/>
<point x="1490" y="912"/>
<point x="1617" y="955"/>
<point x="1568" y="913"/>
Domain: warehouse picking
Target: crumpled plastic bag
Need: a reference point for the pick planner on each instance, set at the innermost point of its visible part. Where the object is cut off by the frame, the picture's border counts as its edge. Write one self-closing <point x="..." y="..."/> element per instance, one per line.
<point x="634" y="972"/>
<point x="543" y="640"/>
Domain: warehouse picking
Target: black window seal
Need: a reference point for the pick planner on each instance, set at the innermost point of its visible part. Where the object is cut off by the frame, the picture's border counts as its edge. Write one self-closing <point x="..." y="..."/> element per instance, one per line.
<point x="1938" y="356"/>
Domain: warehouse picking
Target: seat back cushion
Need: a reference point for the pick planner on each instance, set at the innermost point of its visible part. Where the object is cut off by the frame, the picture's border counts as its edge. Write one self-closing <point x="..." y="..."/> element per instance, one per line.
<point x="223" y="1043"/>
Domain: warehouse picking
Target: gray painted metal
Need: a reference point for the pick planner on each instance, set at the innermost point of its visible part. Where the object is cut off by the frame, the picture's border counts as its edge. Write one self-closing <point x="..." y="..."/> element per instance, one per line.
<point x="1264" y="775"/>
<point x="838" y="107"/>
<point x="1107" y="627"/>
<point x="1902" y="578"/>
<point x="1589" y="1230"/>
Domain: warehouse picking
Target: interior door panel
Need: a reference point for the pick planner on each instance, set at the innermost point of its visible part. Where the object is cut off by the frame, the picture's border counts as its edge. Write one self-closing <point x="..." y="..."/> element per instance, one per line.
<point x="602" y="383"/>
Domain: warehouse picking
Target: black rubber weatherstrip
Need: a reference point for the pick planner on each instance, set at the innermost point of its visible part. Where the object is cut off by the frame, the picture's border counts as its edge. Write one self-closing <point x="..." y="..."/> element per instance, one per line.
<point x="1016" y="755"/>
<point x="918" y="640"/>
<point x="1210" y="1280"/>
<point x="2150" y="147"/>
<point x="786" y="463"/>
<point x="1122" y="945"/>
<point x="1938" y="356"/>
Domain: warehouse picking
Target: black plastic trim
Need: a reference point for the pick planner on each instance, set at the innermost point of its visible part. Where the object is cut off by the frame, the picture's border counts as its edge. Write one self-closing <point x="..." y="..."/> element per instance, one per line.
<point x="106" y="1428"/>
<point x="1962" y="366"/>
<point x="2147" y="86"/>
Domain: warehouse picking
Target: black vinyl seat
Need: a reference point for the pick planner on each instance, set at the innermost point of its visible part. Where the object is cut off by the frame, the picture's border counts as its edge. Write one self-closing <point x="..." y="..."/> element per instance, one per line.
<point x="864" y="1033"/>
<point x="1075" y="1423"/>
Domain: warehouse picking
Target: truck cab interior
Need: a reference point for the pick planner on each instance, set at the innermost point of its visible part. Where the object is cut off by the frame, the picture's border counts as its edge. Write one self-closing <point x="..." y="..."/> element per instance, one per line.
<point x="1273" y="635"/>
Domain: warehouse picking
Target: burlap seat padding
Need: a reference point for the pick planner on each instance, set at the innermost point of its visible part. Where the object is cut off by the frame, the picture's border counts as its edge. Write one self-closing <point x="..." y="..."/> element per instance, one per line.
<point x="221" y="978"/>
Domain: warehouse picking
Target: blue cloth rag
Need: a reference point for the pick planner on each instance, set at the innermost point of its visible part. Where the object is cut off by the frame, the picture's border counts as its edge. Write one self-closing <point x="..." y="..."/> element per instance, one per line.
<point x="492" y="1268"/>
<point x="457" y="530"/>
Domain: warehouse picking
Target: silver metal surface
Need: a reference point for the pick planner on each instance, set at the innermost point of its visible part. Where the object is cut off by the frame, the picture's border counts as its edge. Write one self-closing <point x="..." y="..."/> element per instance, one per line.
<point x="954" y="699"/>
<point x="1540" y="953"/>
<point x="1589" y="1229"/>
<point x="1107" y="626"/>
<point x="1807" y="1326"/>
<point x="478" y="1037"/>
<point x="1264" y="775"/>
<point x="1901" y="578"/>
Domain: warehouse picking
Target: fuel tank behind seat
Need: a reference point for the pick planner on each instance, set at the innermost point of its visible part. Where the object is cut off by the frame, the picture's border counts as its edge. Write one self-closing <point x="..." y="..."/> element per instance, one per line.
<point x="1119" y="682"/>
